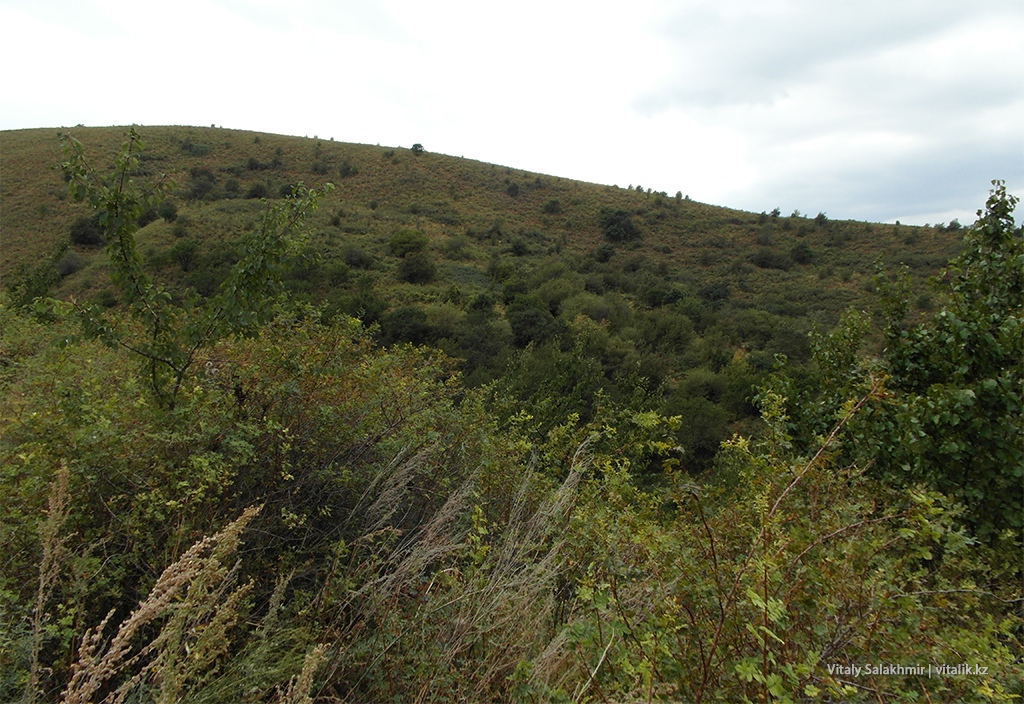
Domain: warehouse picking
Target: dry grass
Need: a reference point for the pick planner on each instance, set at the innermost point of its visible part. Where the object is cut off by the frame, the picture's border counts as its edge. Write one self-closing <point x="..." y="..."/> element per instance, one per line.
<point x="197" y="596"/>
<point x="298" y="691"/>
<point x="454" y="606"/>
<point x="54" y="551"/>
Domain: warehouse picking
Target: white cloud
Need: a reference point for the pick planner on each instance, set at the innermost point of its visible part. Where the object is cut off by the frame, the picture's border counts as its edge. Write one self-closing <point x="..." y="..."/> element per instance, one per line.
<point x="865" y="109"/>
<point x="839" y="102"/>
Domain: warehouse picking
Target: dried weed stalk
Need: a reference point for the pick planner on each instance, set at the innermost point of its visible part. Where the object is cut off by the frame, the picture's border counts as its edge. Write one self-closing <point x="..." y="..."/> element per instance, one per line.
<point x="197" y="595"/>
<point x="54" y="550"/>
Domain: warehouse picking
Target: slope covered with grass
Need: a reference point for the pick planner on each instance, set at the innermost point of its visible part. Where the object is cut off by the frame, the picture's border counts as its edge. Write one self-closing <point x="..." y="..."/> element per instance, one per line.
<point x="543" y="283"/>
<point x="470" y="211"/>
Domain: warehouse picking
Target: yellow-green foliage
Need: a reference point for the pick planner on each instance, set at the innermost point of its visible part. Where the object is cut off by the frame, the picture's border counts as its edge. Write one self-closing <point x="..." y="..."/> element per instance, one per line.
<point x="304" y="419"/>
<point x="748" y="592"/>
<point x="433" y="557"/>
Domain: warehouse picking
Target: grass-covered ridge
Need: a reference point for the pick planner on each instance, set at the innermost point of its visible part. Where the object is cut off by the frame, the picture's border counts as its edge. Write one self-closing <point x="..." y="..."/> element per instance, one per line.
<point x="470" y="211"/>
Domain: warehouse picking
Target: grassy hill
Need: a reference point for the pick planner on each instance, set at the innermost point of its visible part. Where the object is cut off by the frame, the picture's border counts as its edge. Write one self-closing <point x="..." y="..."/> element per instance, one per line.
<point x="501" y="268"/>
<point x="469" y="210"/>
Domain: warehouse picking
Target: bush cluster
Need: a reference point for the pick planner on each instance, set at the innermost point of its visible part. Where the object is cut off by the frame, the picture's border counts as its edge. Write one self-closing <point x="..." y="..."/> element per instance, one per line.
<point x="410" y="540"/>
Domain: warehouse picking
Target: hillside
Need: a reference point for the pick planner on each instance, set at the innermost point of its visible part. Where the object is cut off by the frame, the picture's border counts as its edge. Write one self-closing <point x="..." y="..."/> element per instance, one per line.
<point x="692" y="301"/>
<point x="464" y="433"/>
<point x="470" y="211"/>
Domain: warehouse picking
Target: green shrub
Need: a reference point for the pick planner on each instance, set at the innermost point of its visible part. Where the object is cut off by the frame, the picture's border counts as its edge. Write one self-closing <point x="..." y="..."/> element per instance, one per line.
<point x="148" y="216"/>
<point x="86" y="232"/>
<point x="180" y="228"/>
<point x="405" y="242"/>
<point x="801" y="253"/>
<point x="257" y="190"/>
<point x="417" y="268"/>
<point x="357" y="258"/>
<point x="552" y="207"/>
<point x="664" y="329"/>
<point x="603" y="253"/>
<point x="531" y="321"/>
<point x="193" y="149"/>
<point x="457" y="248"/>
<point x="766" y="258"/>
<point x="748" y="587"/>
<point x="335" y="273"/>
<point x="952" y="417"/>
<point x="201" y="184"/>
<point x="405" y="324"/>
<point x="347" y="169"/>
<point x="618" y="226"/>
<point x="184" y="252"/>
<point x="69" y="263"/>
<point x="168" y="211"/>
<point x="716" y="292"/>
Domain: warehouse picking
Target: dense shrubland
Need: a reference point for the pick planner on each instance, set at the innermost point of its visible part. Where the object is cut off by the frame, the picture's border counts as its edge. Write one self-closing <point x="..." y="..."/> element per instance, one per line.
<point x="212" y="499"/>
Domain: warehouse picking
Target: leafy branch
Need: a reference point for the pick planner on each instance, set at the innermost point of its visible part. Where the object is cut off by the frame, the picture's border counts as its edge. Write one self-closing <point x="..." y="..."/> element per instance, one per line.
<point x="168" y="335"/>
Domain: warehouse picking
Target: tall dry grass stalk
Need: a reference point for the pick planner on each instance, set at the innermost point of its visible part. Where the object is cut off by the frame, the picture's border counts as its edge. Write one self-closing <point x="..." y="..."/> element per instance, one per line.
<point x="54" y="550"/>
<point x="512" y="612"/>
<point x="300" y="687"/>
<point x="531" y="561"/>
<point x="197" y="595"/>
<point x="451" y="611"/>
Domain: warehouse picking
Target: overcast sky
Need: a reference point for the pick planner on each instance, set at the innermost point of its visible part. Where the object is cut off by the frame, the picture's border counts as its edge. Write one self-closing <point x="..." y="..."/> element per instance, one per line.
<point x="876" y="110"/>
